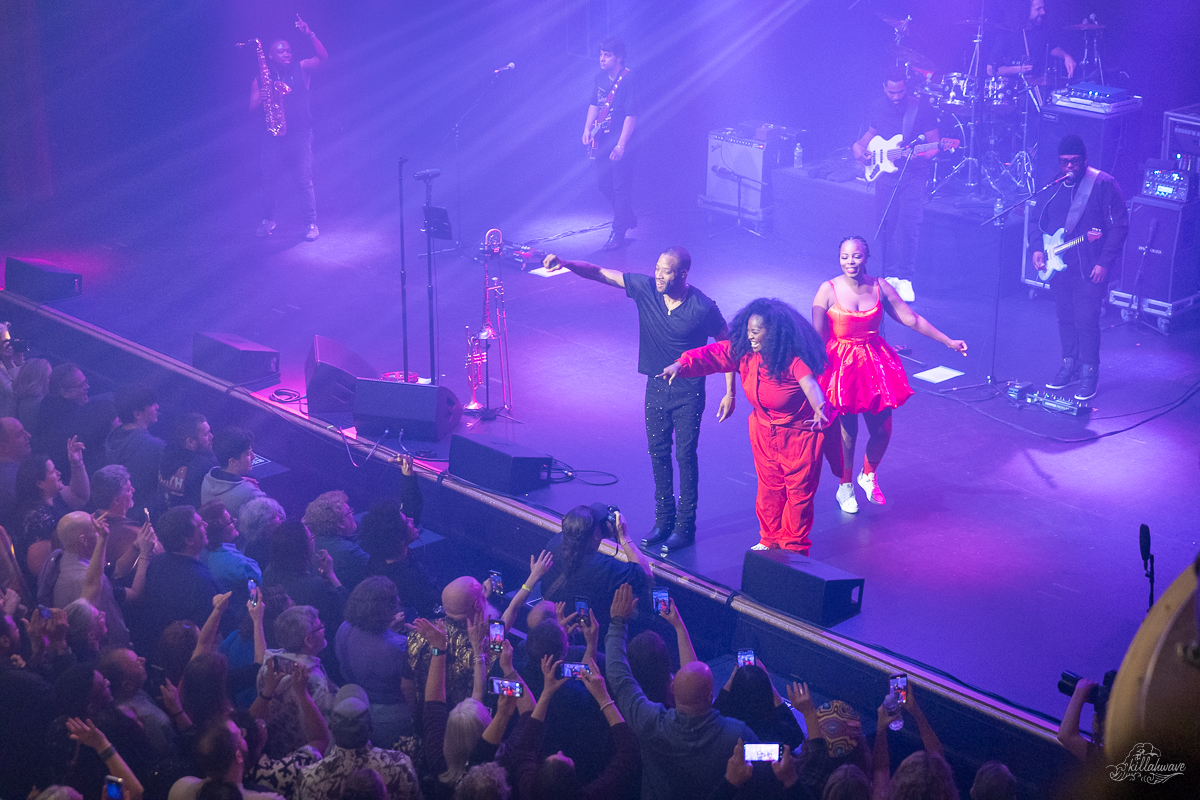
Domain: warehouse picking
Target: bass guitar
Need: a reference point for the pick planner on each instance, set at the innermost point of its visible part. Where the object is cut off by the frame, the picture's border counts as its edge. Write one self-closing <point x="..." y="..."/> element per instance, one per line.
<point x="1054" y="246"/>
<point x="884" y="153"/>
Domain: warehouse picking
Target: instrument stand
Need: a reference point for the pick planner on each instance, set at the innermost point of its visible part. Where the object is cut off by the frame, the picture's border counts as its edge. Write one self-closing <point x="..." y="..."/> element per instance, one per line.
<point x="437" y="226"/>
<point x="1135" y="313"/>
<point x="403" y="278"/>
<point x="739" y="224"/>
<point x="1091" y="57"/>
<point x="498" y="332"/>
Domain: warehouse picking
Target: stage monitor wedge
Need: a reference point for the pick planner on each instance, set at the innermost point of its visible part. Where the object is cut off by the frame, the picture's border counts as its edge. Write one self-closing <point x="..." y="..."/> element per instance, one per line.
<point x="800" y="587"/>
<point x="421" y="411"/>
<point x="240" y="361"/>
<point x="39" y="280"/>
<point x="330" y="372"/>
<point x="498" y="465"/>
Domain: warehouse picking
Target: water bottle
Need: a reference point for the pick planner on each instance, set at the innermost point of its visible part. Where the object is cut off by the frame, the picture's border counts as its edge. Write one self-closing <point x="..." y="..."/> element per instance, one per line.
<point x="798" y="155"/>
<point x="891" y="704"/>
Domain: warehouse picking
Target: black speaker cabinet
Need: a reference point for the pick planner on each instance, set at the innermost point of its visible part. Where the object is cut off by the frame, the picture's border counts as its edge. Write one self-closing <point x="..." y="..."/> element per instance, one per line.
<point x="801" y="587"/>
<point x="1106" y="136"/>
<point x="329" y="375"/>
<point x="234" y="359"/>
<point x="40" y="280"/>
<point x="422" y="412"/>
<point x="1162" y="254"/>
<point x="498" y="465"/>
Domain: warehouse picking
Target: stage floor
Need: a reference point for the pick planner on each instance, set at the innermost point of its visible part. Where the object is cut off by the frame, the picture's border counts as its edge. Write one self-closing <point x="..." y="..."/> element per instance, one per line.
<point x="1002" y="557"/>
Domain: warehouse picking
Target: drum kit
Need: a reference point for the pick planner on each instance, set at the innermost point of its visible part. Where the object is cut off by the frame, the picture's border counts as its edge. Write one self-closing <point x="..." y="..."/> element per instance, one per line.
<point x="994" y="115"/>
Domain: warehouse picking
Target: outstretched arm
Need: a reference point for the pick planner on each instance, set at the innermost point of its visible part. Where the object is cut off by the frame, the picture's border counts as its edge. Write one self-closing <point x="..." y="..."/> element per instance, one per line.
<point x="322" y="55"/>
<point x="585" y="269"/>
<point x="1068" y="732"/>
<point x="903" y="313"/>
<point x="76" y="493"/>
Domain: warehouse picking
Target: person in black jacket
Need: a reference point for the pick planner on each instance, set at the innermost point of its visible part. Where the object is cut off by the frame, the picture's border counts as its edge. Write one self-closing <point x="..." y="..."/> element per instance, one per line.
<point x="1086" y="204"/>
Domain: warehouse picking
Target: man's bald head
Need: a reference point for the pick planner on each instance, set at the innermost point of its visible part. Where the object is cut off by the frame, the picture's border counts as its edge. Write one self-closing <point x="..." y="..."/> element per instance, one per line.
<point x="540" y="613"/>
<point x="76" y="533"/>
<point x="462" y="597"/>
<point x="694" y="689"/>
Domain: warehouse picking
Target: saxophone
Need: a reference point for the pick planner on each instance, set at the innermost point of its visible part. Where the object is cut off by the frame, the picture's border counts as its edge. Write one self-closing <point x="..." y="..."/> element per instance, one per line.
<point x="273" y="105"/>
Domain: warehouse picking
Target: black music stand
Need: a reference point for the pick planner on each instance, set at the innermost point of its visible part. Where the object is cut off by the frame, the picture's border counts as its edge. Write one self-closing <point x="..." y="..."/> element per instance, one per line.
<point x="437" y="226"/>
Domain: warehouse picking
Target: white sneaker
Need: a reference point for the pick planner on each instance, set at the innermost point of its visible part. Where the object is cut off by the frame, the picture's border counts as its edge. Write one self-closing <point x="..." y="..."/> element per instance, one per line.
<point x="846" y="498"/>
<point x="867" y="482"/>
<point x="760" y="546"/>
<point x="266" y="227"/>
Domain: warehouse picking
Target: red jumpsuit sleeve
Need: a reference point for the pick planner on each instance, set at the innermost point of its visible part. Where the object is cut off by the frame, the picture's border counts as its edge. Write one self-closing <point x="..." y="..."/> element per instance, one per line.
<point x="799" y="369"/>
<point x="715" y="357"/>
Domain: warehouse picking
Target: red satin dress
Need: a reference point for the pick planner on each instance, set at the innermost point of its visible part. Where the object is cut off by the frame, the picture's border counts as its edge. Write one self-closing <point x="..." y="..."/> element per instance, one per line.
<point x="864" y="374"/>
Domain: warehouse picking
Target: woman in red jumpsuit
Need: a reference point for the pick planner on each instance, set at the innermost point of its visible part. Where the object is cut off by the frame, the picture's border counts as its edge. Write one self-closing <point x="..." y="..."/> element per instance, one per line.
<point x="864" y="375"/>
<point x="777" y="354"/>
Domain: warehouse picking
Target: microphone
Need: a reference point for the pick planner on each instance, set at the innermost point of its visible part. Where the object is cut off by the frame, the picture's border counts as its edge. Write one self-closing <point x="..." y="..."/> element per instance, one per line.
<point x="920" y="138"/>
<point x="1144" y="540"/>
<point x="722" y="170"/>
<point x="505" y="68"/>
<point x="427" y="174"/>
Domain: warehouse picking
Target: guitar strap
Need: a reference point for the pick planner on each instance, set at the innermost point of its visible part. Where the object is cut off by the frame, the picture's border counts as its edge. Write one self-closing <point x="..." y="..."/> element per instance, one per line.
<point x="910" y="118"/>
<point x="1075" y="212"/>
<point x="606" y="109"/>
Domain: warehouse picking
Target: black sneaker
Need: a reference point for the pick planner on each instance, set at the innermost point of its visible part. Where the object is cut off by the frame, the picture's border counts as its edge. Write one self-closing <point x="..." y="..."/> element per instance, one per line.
<point x="616" y="240"/>
<point x="1089" y="377"/>
<point x="1066" y="376"/>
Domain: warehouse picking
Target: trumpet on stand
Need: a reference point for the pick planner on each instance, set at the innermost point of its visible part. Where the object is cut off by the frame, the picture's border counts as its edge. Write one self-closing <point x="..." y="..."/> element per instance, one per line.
<point x="491" y="331"/>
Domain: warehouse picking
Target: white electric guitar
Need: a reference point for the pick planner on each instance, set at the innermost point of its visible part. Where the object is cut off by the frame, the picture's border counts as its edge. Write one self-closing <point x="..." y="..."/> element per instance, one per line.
<point x="884" y="153"/>
<point x="1054" y="246"/>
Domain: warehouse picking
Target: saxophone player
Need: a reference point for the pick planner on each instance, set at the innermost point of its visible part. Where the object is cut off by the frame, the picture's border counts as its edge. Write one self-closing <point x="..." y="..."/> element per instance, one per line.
<point x="287" y="147"/>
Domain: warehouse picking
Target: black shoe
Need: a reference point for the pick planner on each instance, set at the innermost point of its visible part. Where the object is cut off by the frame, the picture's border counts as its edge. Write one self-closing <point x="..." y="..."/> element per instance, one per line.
<point x="679" y="540"/>
<point x="657" y="536"/>
<point x="616" y="240"/>
<point x="1066" y="376"/>
<point x="1089" y="376"/>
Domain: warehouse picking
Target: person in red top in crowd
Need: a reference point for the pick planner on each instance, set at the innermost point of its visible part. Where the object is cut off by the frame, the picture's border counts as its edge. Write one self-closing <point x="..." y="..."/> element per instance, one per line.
<point x="864" y="375"/>
<point x="777" y="354"/>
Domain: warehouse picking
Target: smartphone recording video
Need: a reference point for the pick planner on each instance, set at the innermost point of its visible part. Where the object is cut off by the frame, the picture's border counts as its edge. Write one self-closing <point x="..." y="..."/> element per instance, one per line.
<point x="662" y="600"/>
<point x="764" y="752"/>
<point x="505" y="688"/>
<point x="497" y="581"/>
<point x="746" y="658"/>
<point x="495" y="635"/>
<point x="898" y="685"/>
<point x="571" y="669"/>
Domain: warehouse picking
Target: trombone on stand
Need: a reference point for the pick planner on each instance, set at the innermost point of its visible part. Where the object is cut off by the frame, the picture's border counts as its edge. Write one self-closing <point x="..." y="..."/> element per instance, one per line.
<point x="494" y="330"/>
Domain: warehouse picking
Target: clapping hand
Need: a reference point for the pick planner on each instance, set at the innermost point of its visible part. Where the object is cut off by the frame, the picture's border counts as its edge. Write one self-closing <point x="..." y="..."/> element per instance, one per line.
<point x="432" y="632"/>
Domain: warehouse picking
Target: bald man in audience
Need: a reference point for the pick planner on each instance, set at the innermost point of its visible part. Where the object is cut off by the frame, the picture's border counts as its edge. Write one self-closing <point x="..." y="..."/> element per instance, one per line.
<point x="684" y="749"/>
<point x="462" y="599"/>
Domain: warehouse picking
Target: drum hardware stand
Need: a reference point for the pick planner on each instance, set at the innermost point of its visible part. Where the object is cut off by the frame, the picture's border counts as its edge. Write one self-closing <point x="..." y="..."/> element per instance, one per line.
<point x="479" y="344"/>
<point x="1091" y="50"/>
<point x="437" y="226"/>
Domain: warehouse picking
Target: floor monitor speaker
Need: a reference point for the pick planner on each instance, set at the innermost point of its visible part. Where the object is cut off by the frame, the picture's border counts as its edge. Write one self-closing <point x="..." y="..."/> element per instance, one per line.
<point x="329" y="375"/>
<point x="40" y="280"/>
<point x="421" y="411"/>
<point x="498" y="465"/>
<point x="234" y="359"/>
<point x="801" y="587"/>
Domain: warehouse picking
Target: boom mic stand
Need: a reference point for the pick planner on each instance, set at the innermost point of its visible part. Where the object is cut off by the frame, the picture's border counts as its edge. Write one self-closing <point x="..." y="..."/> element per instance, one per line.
<point x="403" y="277"/>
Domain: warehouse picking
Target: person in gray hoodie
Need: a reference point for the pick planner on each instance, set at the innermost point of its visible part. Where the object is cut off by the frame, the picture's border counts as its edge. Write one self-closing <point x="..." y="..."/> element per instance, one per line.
<point x="133" y="446"/>
<point x="227" y="482"/>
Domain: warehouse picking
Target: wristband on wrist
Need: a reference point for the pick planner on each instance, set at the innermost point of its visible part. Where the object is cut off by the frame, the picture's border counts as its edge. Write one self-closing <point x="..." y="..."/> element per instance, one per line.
<point x="436" y="652"/>
<point x="527" y="587"/>
<point x="107" y="753"/>
<point x="260" y="694"/>
<point x="606" y="705"/>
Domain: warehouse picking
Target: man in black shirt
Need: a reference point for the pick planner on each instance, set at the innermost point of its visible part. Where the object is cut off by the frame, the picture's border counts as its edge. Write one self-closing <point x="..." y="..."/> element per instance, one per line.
<point x="611" y="117"/>
<point x="1089" y="202"/>
<point x="900" y="112"/>
<point x="294" y="148"/>
<point x="672" y="317"/>
<point x="1021" y="47"/>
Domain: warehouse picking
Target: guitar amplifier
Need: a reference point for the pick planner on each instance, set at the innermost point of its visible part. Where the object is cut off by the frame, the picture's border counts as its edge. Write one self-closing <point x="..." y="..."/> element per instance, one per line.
<point x="734" y="159"/>
<point x="1162" y="251"/>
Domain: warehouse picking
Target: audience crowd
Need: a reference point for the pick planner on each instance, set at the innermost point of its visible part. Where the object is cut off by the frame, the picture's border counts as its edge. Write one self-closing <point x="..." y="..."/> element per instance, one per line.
<point x="168" y="624"/>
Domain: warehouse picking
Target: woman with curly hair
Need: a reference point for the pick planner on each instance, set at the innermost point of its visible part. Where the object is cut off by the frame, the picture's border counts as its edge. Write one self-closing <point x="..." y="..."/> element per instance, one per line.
<point x="865" y="375"/>
<point x="777" y="354"/>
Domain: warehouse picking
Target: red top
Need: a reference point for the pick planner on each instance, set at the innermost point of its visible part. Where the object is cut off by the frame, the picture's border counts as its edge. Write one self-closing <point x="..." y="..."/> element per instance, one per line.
<point x="775" y="402"/>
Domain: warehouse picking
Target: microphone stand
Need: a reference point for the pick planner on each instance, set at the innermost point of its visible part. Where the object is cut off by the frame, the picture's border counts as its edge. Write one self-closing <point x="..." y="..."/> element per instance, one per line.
<point x="1149" y="567"/>
<point x="1000" y="217"/>
<point x="433" y="374"/>
<point x="457" y="169"/>
<point x="728" y="173"/>
<point x="403" y="278"/>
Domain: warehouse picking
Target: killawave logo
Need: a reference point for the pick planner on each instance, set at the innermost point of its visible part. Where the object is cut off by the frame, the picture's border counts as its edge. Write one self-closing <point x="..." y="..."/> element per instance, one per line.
<point x="1144" y="764"/>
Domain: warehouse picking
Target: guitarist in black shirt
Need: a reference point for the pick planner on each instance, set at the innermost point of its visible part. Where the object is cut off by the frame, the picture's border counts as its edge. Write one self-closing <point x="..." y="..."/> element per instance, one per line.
<point x="611" y="118"/>
<point x="1087" y="202"/>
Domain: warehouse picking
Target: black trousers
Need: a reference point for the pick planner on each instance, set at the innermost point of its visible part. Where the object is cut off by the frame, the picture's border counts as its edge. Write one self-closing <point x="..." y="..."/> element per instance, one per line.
<point x="615" y="179"/>
<point x="280" y="154"/>
<point x="673" y="411"/>
<point x="902" y="229"/>
<point x="1077" y="301"/>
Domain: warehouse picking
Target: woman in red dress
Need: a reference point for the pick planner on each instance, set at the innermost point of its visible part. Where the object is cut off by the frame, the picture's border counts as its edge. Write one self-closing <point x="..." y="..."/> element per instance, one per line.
<point x="777" y="354"/>
<point x="864" y="375"/>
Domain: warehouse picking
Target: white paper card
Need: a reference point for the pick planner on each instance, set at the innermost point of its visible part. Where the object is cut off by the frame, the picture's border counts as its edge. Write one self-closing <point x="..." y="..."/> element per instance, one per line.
<point x="937" y="374"/>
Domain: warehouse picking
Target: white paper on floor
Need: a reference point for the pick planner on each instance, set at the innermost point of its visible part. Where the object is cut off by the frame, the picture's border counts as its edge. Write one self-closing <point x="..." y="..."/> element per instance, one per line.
<point x="938" y="374"/>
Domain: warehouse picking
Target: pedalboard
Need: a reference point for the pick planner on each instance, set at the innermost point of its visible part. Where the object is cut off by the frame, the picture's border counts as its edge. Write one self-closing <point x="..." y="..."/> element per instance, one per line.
<point x="1024" y="392"/>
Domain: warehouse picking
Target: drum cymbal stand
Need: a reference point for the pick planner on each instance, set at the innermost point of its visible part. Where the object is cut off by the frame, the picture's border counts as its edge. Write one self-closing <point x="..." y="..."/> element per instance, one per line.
<point x="970" y="165"/>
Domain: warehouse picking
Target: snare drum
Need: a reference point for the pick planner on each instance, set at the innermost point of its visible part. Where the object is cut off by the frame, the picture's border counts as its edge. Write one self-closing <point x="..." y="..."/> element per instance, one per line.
<point x="957" y="89"/>
<point x="999" y="90"/>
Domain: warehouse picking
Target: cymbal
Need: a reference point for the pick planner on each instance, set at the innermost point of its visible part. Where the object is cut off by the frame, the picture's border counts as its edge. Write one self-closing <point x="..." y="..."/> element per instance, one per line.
<point x="910" y="56"/>
<point x="1085" y="26"/>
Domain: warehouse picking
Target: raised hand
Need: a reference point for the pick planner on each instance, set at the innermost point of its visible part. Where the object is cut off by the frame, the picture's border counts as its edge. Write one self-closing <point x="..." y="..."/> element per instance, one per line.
<point x="801" y="699"/>
<point x="568" y="623"/>
<point x="550" y="675"/>
<point x="302" y="26"/>
<point x="273" y="677"/>
<point x="624" y="602"/>
<point x="169" y="694"/>
<point x="539" y="566"/>
<point x="221" y="602"/>
<point x="257" y="610"/>
<point x="87" y="734"/>
<point x="323" y="562"/>
<point x="671" y="614"/>
<point x="477" y="628"/>
<point x="591" y="632"/>
<point x="506" y="656"/>
<point x="300" y="676"/>
<point x="738" y="770"/>
<point x="594" y="682"/>
<point x="75" y="450"/>
<point x="433" y="632"/>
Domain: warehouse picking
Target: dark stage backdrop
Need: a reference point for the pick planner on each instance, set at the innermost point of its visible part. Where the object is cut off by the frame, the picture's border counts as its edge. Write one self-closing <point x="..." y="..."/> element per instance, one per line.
<point x="128" y="108"/>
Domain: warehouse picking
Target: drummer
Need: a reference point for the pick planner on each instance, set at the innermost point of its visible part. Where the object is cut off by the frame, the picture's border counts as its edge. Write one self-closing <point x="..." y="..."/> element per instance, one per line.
<point x="1020" y="46"/>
